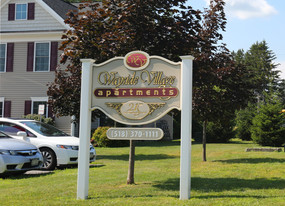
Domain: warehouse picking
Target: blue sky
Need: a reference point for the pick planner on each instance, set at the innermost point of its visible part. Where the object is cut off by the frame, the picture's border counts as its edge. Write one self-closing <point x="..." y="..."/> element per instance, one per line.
<point x="249" y="21"/>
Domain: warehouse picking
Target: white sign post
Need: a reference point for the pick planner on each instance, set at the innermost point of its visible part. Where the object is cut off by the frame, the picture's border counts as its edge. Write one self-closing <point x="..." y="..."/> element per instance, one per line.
<point x="186" y="127"/>
<point x="136" y="89"/>
<point x="84" y="130"/>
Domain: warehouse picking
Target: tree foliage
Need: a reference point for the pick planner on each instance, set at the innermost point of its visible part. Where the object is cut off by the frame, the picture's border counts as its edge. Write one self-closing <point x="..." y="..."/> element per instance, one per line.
<point x="268" y="126"/>
<point x="166" y="28"/>
<point x="113" y="28"/>
<point x="243" y="121"/>
<point x="262" y="74"/>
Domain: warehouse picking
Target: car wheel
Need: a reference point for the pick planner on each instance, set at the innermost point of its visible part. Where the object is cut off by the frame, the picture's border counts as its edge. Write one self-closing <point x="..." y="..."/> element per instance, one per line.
<point x="49" y="159"/>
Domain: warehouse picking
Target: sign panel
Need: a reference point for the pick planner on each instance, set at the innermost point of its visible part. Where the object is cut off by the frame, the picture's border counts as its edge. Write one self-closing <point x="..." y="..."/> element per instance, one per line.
<point x="136" y="89"/>
<point x="135" y="133"/>
<point x="41" y="109"/>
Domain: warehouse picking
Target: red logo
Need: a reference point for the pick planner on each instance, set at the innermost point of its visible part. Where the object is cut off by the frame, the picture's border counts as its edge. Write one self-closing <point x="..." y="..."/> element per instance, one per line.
<point x="136" y="60"/>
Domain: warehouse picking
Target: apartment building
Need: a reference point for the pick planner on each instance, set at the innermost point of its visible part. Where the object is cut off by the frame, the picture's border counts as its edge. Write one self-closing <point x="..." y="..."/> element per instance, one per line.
<point x="30" y="34"/>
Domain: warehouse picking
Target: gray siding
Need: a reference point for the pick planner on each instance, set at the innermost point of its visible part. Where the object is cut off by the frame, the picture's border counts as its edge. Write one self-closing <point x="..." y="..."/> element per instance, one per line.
<point x="64" y="124"/>
<point x="20" y="85"/>
<point x="43" y="21"/>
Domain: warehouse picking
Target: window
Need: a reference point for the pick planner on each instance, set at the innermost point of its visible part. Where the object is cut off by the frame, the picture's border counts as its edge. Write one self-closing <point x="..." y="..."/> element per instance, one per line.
<point x="42" y="57"/>
<point x="2" y="57"/>
<point x="21" y="11"/>
<point x="36" y="101"/>
<point x="13" y="129"/>
<point x="36" y="107"/>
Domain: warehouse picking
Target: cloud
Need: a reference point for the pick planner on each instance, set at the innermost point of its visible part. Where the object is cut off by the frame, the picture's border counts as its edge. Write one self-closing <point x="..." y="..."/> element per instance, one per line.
<point x="246" y="9"/>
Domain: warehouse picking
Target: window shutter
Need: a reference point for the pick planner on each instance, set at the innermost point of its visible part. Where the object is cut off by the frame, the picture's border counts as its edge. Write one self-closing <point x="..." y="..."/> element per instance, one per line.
<point x="31" y="11"/>
<point x="53" y="54"/>
<point x="28" y="107"/>
<point x="10" y="57"/>
<point x="30" y="57"/>
<point x="7" y="108"/>
<point x="11" y="12"/>
<point x="50" y="114"/>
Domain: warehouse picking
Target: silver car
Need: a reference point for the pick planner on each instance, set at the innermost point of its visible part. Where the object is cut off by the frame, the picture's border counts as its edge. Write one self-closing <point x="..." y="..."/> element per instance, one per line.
<point x="17" y="156"/>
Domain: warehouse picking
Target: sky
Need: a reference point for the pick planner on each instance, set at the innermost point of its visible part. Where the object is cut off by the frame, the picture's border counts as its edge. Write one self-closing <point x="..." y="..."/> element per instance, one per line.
<point x="251" y="21"/>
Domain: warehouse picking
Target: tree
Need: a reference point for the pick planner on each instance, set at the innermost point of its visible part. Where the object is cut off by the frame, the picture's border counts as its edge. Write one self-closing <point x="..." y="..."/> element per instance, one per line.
<point x="259" y="62"/>
<point x="263" y="81"/>
<point x="165" y="28"/>
<point x="243" y="120"/>
<point x="113" y="28"/>
<point x="218" y="87"/>
<point x="268" y="125"/>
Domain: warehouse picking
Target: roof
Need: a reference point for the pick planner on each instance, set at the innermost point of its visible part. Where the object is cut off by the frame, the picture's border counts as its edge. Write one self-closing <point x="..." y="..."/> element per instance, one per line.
<point x="60" y="7"/>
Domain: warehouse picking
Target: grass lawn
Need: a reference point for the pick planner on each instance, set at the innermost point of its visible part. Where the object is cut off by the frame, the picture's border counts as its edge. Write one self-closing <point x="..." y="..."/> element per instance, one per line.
<point x="230" y="176"/>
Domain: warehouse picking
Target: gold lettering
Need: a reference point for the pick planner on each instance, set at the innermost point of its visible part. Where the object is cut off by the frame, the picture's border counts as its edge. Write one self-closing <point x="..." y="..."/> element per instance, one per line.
<point x="149" y="77"/>
<point x="148" y="92"/>
<point x="108" y="92"/>
<point x="156" y="92"/>
<point x="100" y="93"/>
<point x="139" y="92"/>
<point x="105" y="77"/>
<point x="116" y="93"/>
<point x="163" y="91"/>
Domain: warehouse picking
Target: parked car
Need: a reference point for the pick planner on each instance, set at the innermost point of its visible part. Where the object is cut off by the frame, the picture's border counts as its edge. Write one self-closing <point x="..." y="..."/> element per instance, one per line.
<point x="17" y="156"/>
<point x="57" y="147"/>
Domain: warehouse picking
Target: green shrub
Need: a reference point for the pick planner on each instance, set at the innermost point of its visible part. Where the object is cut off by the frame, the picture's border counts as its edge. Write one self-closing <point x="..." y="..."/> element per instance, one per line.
<point x="99" y="139"/>
<point x="37" y="117"/>
<point x="197" y="131"/>
<point x="268" y="125"/>
<point x="244" y="122"/>
<point x="218" y="132"/>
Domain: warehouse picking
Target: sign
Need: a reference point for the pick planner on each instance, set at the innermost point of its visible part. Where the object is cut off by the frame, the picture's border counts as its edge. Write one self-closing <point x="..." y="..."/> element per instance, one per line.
<point x="136" y="89"/>
<point x="41" y="109"/>
<point x="135" y="133"/>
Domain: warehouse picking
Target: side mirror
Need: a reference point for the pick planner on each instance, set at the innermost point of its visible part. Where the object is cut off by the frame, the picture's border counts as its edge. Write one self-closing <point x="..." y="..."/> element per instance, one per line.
<point x="22" y="134"/>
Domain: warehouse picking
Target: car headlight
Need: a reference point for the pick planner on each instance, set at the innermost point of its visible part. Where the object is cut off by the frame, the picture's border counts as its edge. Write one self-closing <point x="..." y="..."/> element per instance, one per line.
<point x="8" y="152"/>
<point x="72" y="147"/>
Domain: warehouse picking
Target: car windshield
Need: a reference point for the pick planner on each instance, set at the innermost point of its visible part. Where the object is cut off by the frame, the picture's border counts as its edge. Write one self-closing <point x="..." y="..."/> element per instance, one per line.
<point x="44" y="129"/>
<point x="2" y="135"/>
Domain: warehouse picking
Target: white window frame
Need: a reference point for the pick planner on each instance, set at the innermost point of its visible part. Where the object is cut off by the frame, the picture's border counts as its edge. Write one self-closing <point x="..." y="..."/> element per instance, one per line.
<point x="39" y="99"/>
<point x="26" y="11"/>
<point x="2" y="99"/>
<point x="5" y="58"/>
<point x="49" y="53"/>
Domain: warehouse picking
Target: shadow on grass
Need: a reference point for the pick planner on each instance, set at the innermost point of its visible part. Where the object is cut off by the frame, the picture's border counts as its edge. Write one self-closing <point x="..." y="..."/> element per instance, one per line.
<point x="223" y="184"/>
<point x="29" y="174"/>
<point x="139" y="157"/>
<point x="252" y="160"/>
<point x="161" y="143"/>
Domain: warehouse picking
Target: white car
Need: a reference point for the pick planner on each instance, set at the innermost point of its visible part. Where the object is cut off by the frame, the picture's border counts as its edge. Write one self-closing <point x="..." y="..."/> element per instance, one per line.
<point x="17" y="156"/>
<point x="57" y="147"/>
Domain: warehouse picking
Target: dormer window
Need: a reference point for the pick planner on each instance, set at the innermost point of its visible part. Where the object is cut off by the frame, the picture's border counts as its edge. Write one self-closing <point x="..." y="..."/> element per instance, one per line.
<point x="21" y="11"/>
